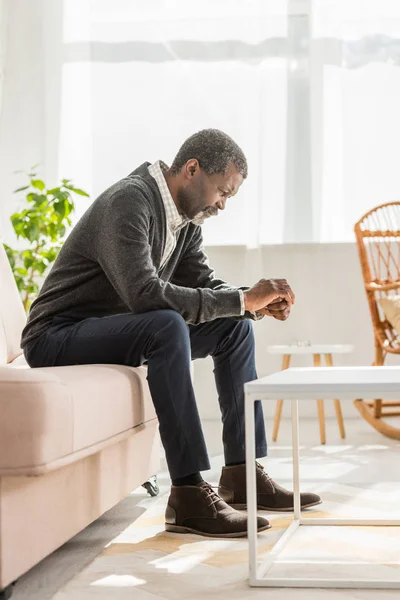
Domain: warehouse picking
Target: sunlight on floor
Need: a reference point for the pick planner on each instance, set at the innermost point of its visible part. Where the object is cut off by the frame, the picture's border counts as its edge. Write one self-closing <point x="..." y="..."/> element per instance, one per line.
<point x="331" y="449"/>
<point x="119" y="581"/>
<point x="180" y="564"/>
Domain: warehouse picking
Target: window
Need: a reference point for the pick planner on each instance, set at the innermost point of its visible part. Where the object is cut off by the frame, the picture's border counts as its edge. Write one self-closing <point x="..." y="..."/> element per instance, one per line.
<point x="309" y="89"/>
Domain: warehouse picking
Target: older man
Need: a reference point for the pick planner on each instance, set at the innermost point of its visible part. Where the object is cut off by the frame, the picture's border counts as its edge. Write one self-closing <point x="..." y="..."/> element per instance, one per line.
<point x="132" y="285"/>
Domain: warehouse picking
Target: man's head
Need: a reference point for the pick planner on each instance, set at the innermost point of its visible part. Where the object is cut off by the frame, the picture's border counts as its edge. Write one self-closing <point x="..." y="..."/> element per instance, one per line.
<point x="208" y="169"/>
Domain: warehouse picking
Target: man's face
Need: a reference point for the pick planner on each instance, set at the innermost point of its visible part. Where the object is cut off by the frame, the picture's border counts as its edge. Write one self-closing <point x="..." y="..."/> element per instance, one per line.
<point x="202" y="195"/>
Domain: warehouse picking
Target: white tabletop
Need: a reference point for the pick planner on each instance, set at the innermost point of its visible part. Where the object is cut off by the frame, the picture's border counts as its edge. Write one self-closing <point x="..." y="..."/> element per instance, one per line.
<point x="311" y="349"/>
<point x="329" y="382"/>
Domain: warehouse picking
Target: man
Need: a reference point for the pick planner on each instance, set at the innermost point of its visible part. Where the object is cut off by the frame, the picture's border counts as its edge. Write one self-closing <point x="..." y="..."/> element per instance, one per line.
<point x="132" y="285"/>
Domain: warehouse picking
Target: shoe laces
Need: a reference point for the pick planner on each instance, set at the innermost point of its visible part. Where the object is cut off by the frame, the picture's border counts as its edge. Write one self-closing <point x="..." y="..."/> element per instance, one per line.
<point x="264" y="475"/>
<point x="211" y="494"/>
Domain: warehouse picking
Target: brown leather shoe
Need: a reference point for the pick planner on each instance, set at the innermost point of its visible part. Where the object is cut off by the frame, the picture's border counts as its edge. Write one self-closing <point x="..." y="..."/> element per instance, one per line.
<point x="270" y="495"/>
<point x="198" y="509"/>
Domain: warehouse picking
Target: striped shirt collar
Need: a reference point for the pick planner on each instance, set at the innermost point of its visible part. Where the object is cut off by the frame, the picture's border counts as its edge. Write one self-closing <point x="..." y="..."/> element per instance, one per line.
<point x="175" y="221"/>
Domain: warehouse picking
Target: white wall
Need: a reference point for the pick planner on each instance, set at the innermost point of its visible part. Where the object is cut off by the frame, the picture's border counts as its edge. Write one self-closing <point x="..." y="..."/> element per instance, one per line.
<point x="331" y="307"/>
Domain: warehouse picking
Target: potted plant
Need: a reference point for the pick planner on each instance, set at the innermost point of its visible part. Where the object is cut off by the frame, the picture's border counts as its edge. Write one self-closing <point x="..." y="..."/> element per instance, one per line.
<point x="43" y="223"/>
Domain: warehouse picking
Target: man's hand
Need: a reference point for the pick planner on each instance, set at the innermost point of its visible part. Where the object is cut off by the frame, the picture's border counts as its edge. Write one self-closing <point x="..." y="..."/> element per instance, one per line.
<point x="267" y="291"/>
<point x="279" y="309"/>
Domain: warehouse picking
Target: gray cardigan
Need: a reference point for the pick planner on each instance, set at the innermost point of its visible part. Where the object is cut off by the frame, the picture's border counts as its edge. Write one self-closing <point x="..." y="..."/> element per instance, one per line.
<point x="110" y="264"/>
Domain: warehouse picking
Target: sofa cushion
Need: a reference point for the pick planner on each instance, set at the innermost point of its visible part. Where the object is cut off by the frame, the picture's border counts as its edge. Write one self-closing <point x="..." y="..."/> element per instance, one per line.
<point x="55" y="414"/>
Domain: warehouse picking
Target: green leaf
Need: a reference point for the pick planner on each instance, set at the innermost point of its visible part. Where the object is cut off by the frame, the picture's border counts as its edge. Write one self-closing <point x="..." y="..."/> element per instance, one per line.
<point x="15" y="218"/>
<point x="68" y="208"/>
<point x="59" y="208"/>
<point x="21" y="271"/>
<point x="38" y="183"/>
<point x="51" y="254"/>
<point x="28" y="262"/>
<point x="60" y="195"/>
<point x="53" y="190"/>
<point x="31" y="231"/>
<point x="11" y="254"/>
<point x="39" y="199"/>
<point x="20" y="283"/>
<point x="21" y="189"/>
<point x="53" y="231"/>
<point x="61" y="231"/>
<point x="78" y="191"/>
<point x="41" y="266"/>
<point x="32" y="287"/>
<point x="19" y="228"/>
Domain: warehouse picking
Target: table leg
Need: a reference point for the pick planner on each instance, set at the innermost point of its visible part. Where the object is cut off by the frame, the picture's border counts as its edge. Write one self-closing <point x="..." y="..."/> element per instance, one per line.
<point x="320" y="404"/>
<point x="251" y="489"/>
<point x="296" y="460"/>
<point x="338" y="408"/>
<point x="377" y="409"/>
<point x="339" y="418"/>
<point x="279" y="405"/>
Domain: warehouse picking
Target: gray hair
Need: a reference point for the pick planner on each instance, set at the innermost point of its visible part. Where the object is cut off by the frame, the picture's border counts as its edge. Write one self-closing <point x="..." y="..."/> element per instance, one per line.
<point x="214" y="150"/>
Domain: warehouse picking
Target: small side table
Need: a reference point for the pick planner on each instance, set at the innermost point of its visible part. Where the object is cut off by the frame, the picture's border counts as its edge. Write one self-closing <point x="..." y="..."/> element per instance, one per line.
<point x="316" y="350"/>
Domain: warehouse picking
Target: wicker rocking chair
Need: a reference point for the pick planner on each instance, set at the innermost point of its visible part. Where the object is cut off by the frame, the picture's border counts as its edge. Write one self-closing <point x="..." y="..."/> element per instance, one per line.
<point x="378" y="241"/>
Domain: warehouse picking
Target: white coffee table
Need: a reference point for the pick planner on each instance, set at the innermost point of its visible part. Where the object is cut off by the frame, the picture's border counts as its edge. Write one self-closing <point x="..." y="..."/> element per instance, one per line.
<point x="349" y="383"/>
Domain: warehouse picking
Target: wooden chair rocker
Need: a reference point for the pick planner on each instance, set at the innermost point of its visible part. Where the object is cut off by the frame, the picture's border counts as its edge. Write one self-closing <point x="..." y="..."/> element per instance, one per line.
<point x="378" y="241"/>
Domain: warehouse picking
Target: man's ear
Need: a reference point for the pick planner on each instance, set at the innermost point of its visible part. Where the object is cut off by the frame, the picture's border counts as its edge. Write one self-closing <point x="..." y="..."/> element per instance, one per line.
<point x="192" y="166"/>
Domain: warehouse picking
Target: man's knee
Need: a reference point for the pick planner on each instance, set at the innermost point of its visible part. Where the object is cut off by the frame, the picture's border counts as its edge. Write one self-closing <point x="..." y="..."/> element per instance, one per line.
<point x="171" y="324"/>
<point x="245" y="329"/>
<point x="236" y="332"/>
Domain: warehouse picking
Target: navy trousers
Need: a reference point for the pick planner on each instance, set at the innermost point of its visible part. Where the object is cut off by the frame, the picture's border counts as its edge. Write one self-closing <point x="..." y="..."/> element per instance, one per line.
<point x="163" y="341"/>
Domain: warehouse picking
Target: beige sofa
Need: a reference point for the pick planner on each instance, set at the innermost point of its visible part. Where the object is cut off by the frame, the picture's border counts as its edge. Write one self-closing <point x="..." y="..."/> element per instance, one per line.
<point x="74" y="441"/>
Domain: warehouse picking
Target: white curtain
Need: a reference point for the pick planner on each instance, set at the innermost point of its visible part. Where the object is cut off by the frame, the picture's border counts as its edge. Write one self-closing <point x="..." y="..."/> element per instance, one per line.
<point x="309" y="88"/>
<point x="3" y="38"/>
<point x="355" y="78"/>
<point x="140" y="77"/>
<point x="3" y="48"/>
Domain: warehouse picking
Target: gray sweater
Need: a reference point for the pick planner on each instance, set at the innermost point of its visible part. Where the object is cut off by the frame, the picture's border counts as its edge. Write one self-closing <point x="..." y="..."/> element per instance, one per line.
<point x="110" y="264"/>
